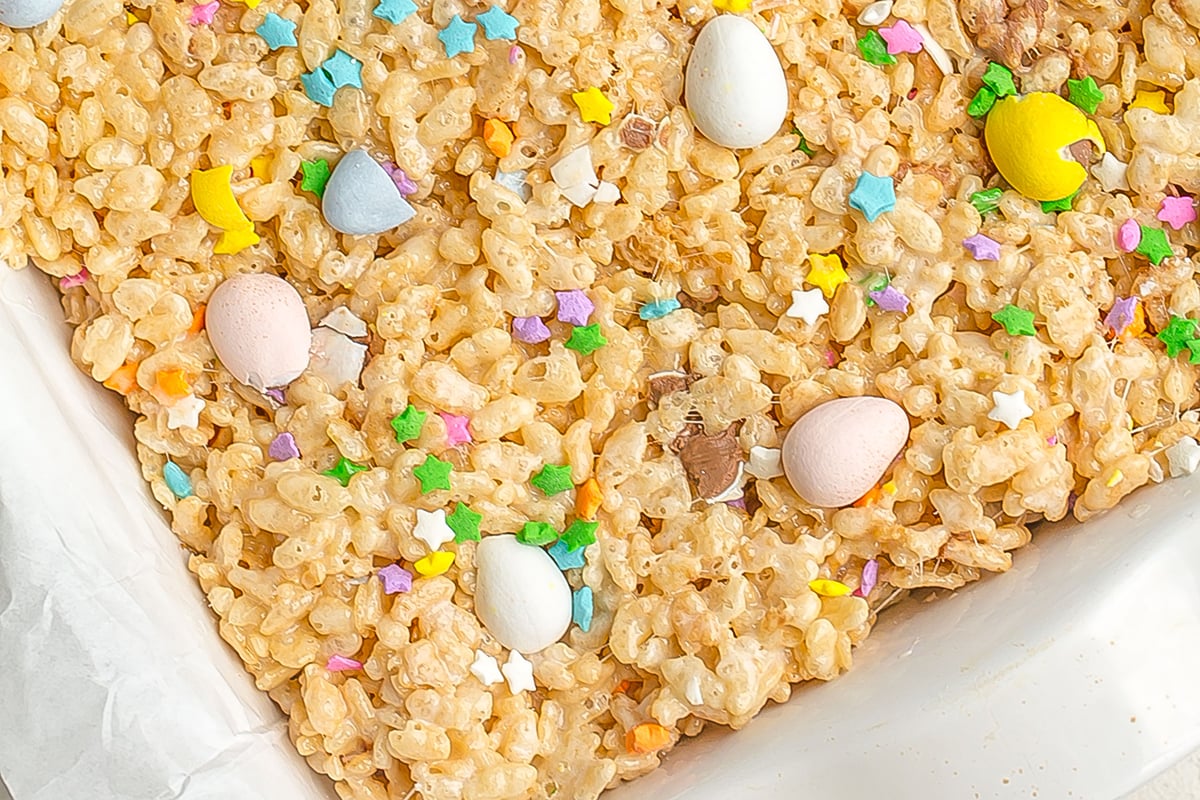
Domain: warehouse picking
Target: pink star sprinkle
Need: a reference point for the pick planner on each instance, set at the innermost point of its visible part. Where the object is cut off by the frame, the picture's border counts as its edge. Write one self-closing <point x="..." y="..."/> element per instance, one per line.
<point x="870" y="576"/>
<point x="456" y="429"/>
<point x="203" y="14"/>
<point x="396" y="579"/>
<point x="902" y="38"/>
<point x="1053" y="440"/>
<point x="514" y="53"/>
<point x="1177" y="211"/>
<point x="342" y="664"/>
<point x="78" y="279"/>
<point x="1129" y="235"/>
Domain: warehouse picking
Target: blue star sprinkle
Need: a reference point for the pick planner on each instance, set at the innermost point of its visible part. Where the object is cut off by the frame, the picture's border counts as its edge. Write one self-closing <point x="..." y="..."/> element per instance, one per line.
<point x="394" y="11"/>
<point x="582" y="608"/>
<point x="657" y="309"/>
<point x="458" y="37"/>
<point x="343" y="69"/>
<point x="498" y="24"/>
<point x="873" y="195"/>
<point x="178" y="481"/>
<point x="277" y="31"/>
<point x="319" y="87"/>
<point x="565" y="557"/>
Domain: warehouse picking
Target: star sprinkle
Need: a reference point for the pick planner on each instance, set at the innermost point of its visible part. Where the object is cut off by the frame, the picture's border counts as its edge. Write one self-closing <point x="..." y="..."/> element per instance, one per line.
<point x="498" y="24"/>
<point x="1016" y="321"/>
<point x="315" y="176"/>
<point x="1111" y="172"/>
<point x="486" y="669"/>
<point x="735" y="6"/>
<point x="586" y="339"/>
<point x="999" y="79"/>
<point x="458" y="37"/>
<point x="343" y="69"/>
<point x="276" y="395"/>
<point x="808" y="305"/>
<point x="1155" y="101"/>
<point x="395" y="579"/>
<point x="1177" y="334"/>
<point x="594" y="106"/>
<point x="588" y="499"/>
<point x="1177" y="211"/>
<point x="432" y="529"/>
<point x="826" y="273"/>
<point x="657" y="309"/>
<point x="184" y="413"/>
<point x="433" y="474"/>
<point x="827" y="587"/>
<point x="553" y="478"/>
<point x="1063" y="204"/>
<point x="277" y="31"/>
<point x="1010" y="408"/>
<point x="874" y="49"/>
<point x="901" y="38"/>
<point x="986" y="200"/>
<point x="71" y="281"/>
<point x="518" y="672"/>
<point x="565" y="557"/>
<point x="983" y="248"/>
<point x="344" y="470"/>
<point x="870" y="576"/>
<point x="394" y="11"/>
<point x="465" y="524"/>
<point x="536" y="533"/>
<point x="177" y="480"/>
<point x="582" y="608"/>
<point x="408" y="423"/>
<point x="982" y="102"/>
<point x="530" y="330"/>
<point x="1120" y="316"/>
<point x="405" y="184"/>
<point x="1085" y="94"/>
<point x="574" y="307"/>
<point x="319" y="87"/>
<point x="873" y="195"/>
<point x="580" y="534"/>
<point x="203" y="14"/>
<point x="283" y="447"/>
<point x="1183" y="457"/>
<point x="891" y="299"/>
<point x="1129" y="235"/>
<point x="436" y="563"/>
<point x="338" y="663"/>
<point x="1154" y="245"/>
<point x="457" y="431"/>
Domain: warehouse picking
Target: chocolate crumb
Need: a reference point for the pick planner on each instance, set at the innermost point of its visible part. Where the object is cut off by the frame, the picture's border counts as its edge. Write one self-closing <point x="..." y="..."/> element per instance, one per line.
<point x="1082" y="151"/>
<point x="711" y="461"/>
<point x="665" y="383"/>
<point x="637" y="132"/>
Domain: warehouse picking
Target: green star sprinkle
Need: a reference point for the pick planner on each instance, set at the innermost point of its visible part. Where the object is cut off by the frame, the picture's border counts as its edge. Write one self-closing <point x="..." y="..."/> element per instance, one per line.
<point x="465" y="524"/>
<point x="874" y="49"/>
<point x="1154" y="245"/>
<point x="875" y="283"/>
<point x="999" y="79"/>
<point x="1178" y="334"/>
<point x="1016" y="321"/>
<point x="316" y="175"/>
<point x="343" y="471"/>
<point x="1050" y="206"/>
<point x="1085" y="94"/>
<point x="552" y="479"/>
<point x="982" y="102"/>
<point x="987" y="199"/>
<point x="433" y="474"/>
<point x="408" y="423"/>
<point x="1193" y="347"/>
<point x="580" y="533"/>
<point x="537" y="533"/>
<point x="803" y="145"/>
<point x="586" y="339"/>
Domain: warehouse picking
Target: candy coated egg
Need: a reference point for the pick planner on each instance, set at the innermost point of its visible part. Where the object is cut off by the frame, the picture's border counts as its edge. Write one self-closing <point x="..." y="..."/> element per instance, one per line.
<point x="259" y="329"/>
<point x="734" y="86"/>
<point x="521" y="596"/>
<point x="836" y="452"/>
<point x="1029" y="140"/>
<point x="361" y="198"/>
<point x="27" y="13"/>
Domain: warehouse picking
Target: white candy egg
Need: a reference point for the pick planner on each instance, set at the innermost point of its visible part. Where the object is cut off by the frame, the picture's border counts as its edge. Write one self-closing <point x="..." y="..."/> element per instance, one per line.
<point x="735" y="89"/>
<point x="521" y="596"/>
<point x="259" y="329"/>
<point x="836" y="452"/>
<point x="27" y="13"/>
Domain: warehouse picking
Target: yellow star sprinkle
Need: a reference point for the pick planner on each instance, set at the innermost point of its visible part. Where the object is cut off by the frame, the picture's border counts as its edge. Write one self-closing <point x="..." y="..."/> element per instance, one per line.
<point x="731" y="5"/>
<point x="826" y="272"/>
<point x="1155" y="101"/>
<point x="130" y="18"/>
<point x="435" y="563"/>
<point x="593" y="105"/>
<point x="249" y="3"/>
<point x="1115" y="478"/>
<point x="829" y="588"/>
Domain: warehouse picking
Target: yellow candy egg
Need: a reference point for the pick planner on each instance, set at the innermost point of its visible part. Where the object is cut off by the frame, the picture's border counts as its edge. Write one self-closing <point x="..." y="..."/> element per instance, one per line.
<point x="1029" y="138"/>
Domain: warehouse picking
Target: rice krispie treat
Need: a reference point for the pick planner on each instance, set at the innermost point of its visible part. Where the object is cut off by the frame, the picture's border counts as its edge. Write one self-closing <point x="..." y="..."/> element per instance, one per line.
<point x="533" y="384"/>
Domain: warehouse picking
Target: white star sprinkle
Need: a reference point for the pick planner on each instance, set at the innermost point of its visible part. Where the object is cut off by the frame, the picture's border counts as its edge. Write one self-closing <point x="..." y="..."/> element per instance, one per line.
<point x="764" y="462"/>
<point x="807" y="305"/>
<point x="1010" y="408"/>
<point x="518" y="672"/>
<point x="486" y="668"/>
<point x="1183" y="457"/>
<point x="432" y="528"/>
<point x="1111" y="173"/>
<point x="185" y="413"/>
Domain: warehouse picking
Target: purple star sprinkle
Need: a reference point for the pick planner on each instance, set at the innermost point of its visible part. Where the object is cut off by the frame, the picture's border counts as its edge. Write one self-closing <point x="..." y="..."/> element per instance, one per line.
<point x="283" y="447"/>
<point x="890" y="299"/>
<point x="870" y="576"/>
<point x="400" y="178"/>
<point x="277" y="395"/>
<point x="983" y="248"/>
<point x="342" y="664"/>
<point x="574" y="307"/>
<point x="1120" y="316"/>
<point x="740" y="503"/>
<point x="530" y="330"/>
<point x="396" y="579"/>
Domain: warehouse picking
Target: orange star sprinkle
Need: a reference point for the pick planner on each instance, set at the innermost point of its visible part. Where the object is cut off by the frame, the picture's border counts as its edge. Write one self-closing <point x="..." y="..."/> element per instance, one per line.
<point x="498" y="137"/>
